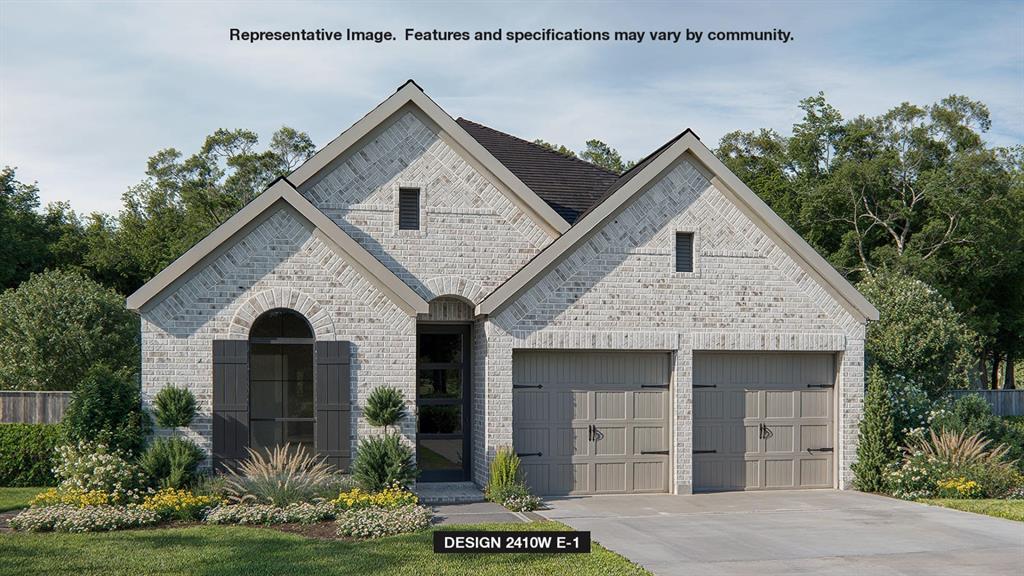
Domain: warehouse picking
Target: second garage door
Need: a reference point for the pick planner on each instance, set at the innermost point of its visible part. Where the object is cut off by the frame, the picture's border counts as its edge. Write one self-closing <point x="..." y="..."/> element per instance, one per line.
<point x="592" y="422"/>
<point x="762" y="421"/>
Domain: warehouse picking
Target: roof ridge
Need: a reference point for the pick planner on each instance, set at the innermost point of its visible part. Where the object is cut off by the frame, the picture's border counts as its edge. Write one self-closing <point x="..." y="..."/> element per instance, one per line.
<point x="539" y="147"/>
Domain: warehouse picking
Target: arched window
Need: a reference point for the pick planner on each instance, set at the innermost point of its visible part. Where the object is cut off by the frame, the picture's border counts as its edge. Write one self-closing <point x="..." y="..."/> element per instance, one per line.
<point x="281" y="400"/>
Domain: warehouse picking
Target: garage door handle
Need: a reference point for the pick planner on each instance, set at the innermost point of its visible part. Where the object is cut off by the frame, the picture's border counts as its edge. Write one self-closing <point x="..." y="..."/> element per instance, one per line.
<point x="665" y="452"/>
<point x="705" y="451"/>
<point x="524" y="454"/>
<point x="819" y="449"/>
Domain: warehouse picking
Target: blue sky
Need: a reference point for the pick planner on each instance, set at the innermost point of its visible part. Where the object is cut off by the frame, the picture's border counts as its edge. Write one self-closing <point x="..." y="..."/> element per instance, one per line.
<point x="88" y="91"/>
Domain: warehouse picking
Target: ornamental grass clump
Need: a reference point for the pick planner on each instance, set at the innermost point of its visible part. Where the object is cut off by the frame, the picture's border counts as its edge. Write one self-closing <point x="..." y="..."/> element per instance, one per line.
<point x="506" y="486"/>
<point x="281" y="476"/>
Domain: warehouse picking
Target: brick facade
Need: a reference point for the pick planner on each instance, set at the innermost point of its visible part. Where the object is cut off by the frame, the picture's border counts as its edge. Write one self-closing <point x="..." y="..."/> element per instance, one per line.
<point x="616" y="290"/>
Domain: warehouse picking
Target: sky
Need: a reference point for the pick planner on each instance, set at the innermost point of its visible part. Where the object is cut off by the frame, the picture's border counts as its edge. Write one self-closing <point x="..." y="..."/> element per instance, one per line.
<point x="90" y="90"/>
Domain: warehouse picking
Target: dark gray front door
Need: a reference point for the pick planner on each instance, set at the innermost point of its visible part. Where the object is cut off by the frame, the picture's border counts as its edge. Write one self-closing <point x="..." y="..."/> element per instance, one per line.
<point x="442" y="402"/>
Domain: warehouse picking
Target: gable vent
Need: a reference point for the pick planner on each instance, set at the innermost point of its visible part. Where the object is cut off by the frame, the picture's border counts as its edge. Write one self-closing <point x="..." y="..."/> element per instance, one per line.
<point x="684" y="251"/>
<point x="408" y="208"/>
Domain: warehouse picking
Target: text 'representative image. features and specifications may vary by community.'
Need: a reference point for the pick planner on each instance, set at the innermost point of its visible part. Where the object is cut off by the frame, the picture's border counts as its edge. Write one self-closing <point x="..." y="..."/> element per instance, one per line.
<point x="638" y="36"/>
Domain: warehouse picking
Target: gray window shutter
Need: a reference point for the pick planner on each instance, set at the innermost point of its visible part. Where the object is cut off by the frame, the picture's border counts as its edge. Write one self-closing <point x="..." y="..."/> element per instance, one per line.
<point x="684" y="252"/>
<point x="230" y="402"/>
<point x="333" y="403"/>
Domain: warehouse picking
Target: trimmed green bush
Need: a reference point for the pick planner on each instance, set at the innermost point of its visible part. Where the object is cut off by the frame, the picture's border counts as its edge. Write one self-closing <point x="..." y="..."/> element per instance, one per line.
<point x="107" y="408"/>
<point x="877" y="448"/>
<point x="382" y="462"/>
<point x="28" y="453"/>
<point x="384" y="407"/>
<point x="171" y="462"/>
<point x="174" y="407"/>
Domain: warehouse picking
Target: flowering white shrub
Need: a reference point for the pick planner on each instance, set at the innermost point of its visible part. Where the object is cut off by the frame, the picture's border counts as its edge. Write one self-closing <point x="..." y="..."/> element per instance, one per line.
<point x="379" y="522"/>
<point x="301" y="512"/>
<point x="88" y="467"/>
<point x="521" y="502"/>
<point x="64" y="518"/>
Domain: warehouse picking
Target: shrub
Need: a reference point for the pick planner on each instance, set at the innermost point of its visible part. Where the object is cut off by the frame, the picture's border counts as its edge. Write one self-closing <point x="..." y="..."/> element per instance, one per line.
<point x="63" y="518"/>
<point x="170" y="503"/>
<point x="382" y="462"/>
<point x="384" y="407"/>
<point x="958" y="488"/>
<point x="174" y="407"/>
<point x="28" y="454"/>
<point x="506" y="485"/>
<point x="516" y="497"/>
<point x="58" y="324"/>
<point x="88" y="467"/>
<point x="973" y="414"/>
<point x="952" y="455"/>
<point x="379" y="522"/>
<point x="393" y="497"/>
<point x="70" y="497"/>
<point x="171" y="462"/>
<point x="281" y="476"/>
<point x="877" y="447"/>
<point x="912" y="409"/>
<point x="265" y="514"/>
<point x="107" y="408"/>
<point x="920" y="335"/>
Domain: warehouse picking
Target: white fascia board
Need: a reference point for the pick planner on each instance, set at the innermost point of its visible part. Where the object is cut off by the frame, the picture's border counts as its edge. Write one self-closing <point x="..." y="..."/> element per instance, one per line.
<point x="282" y="190"/>
<point x="538" y="210"/>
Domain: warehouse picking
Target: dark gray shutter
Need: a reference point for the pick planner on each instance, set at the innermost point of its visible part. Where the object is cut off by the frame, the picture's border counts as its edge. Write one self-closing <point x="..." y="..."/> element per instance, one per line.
<point x="333" y="403"/>
<point x="230" y="402"/>
<point x="684" y="252"/>
<point x="408" y="208"/>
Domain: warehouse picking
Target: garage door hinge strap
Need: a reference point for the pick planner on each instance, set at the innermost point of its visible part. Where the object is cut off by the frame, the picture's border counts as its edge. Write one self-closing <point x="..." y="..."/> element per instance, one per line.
<point x="665" y="452"/>
<point x="705" y="385"/>
<point x="662" y="386"/>
<point x="522" y="454"/>
<point x="526" y="386"/>
<point x="705" y="451"/>
<point x="821" y="385"/>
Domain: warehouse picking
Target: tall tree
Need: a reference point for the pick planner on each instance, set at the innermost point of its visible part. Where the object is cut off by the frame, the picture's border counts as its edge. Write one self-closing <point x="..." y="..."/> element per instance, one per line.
<point x="600" y="154"/>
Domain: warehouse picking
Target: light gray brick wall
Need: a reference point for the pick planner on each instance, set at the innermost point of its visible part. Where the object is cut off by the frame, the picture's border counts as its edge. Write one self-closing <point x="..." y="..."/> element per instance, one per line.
<point x="279" y="263"/>
<point x="472" y="236"/>
<point x="619" y="290"/>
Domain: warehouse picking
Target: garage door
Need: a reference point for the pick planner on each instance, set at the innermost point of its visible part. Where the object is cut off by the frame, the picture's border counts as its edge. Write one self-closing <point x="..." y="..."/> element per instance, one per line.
<point x="592" y="422"/>
<point x="762" y="421"/>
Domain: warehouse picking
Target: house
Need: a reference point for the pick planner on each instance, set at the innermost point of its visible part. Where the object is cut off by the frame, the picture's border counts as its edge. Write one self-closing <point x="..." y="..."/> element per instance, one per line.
<point x="661" y="330"/>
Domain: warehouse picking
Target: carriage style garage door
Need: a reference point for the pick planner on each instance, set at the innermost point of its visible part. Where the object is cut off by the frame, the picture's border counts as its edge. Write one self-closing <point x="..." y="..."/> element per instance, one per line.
<point x="592" y="422"/>
<point x="762" y="421"/>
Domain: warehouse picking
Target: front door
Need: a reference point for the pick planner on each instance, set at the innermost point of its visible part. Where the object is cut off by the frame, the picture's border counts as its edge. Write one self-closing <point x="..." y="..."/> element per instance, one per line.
<point x="442" y="402"/>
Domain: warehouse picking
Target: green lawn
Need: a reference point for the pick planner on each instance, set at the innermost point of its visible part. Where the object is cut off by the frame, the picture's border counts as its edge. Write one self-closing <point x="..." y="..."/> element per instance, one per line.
<point x="14" y="498"/>
<point x="1011" y="509"/>
<point x="237" y="550"/>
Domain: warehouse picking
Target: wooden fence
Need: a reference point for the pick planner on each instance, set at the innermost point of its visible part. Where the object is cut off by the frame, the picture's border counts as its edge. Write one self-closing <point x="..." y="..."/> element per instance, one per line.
<point x="33" y="407"/>
<point x="1003" y="402"/>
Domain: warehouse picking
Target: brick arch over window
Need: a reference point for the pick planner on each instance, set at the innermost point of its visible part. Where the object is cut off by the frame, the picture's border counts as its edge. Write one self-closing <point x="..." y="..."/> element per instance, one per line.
<point x="257" y="304"/>
<point x="455" y="286"/>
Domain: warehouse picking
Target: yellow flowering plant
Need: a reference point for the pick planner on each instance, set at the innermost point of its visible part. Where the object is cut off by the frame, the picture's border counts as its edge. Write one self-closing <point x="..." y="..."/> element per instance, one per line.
<point x="958" y="488"/>
<point x="178" y="504"/>
<point x="71" y="497"/>
<point x="394" y="496"/>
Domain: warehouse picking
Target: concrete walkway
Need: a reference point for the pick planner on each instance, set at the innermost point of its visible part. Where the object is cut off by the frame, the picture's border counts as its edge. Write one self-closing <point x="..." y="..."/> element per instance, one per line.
<point x="476" y="513"/>
<point x="795" y="532"/>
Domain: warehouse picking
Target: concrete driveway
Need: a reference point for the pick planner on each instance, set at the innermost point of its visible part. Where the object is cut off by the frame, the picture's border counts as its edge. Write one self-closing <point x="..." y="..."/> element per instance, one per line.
<point x="795" y="532"/>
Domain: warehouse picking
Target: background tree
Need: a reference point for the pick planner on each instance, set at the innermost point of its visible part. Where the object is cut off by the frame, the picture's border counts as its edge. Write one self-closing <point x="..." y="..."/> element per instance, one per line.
<point x="24" y="234"/>
<point x="600" y="154"/>
<point x="57" y="325"/>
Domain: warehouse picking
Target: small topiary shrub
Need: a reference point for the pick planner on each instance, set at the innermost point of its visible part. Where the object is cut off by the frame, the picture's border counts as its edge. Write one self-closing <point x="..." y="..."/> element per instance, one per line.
<point x="171" y="462"/>
<point x="877" y="448"/>
<point x="28" y="453"/>
<point x="382" y="462"/>
<point x="174" y="407"/>
<point x="107" y="408"/>
<point x="384" y="407"/>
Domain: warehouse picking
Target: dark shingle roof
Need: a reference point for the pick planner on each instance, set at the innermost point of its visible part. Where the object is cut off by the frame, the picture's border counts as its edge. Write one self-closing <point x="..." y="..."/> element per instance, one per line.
<point x="569" y="185"/>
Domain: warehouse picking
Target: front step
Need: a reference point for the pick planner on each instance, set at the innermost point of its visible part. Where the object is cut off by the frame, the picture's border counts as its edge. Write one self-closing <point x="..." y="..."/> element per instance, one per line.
<point x="448" y="492"/>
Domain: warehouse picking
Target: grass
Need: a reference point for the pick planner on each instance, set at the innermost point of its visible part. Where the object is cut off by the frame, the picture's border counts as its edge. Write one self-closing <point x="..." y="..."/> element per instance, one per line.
<point x="1010" y="509"/>
<point x="15" y="498"/>
<point x="242" y="550"/>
